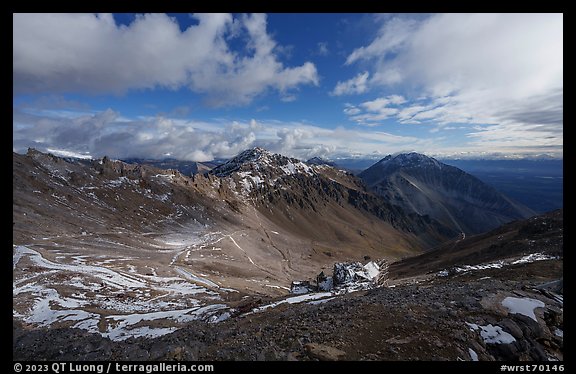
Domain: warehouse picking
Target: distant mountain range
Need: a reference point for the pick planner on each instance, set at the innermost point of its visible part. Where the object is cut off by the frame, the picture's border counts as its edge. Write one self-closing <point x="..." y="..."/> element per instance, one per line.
<point x="320" y="161"/>
<point x="187" y="168"/>
<point x="393" y="189"/>
<point x="538" y="184"/>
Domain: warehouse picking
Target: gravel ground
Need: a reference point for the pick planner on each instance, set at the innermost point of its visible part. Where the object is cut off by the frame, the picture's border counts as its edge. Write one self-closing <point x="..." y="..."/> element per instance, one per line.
<point x="424" y="321"/>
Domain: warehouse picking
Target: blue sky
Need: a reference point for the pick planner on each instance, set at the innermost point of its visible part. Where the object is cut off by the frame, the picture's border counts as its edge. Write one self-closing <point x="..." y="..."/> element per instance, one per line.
<point x="206" y="86"/>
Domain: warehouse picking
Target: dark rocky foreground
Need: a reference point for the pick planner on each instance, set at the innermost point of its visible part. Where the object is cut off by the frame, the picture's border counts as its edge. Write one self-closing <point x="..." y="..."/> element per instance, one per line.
<point x="423" y="321"/>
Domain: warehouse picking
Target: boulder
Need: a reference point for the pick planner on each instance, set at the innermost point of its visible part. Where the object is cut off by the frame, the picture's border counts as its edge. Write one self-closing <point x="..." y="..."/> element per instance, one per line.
<point x="511" y="327"/>
<point x="355" y="272"/>
<point x="324" y="352"/>
<point x="301" y="287"/>
<point x="324" y="283"/>
<point x="346" y="273"/>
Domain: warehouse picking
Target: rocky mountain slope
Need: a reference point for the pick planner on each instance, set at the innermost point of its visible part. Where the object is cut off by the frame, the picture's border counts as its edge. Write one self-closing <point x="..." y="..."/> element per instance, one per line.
<point x="423" y="185"/>
<point x="124" y="261"/>
<point x="324" y="203"/>
<point x="509" y="312"/>
<point x="132" y="250"/>
<point x="538" y="237"/>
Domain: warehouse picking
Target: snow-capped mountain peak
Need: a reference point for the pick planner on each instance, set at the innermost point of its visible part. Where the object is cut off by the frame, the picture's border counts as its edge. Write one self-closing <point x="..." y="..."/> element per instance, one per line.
<point x="254" y="167"/>
<point x="253" y="154"/>
<point x="451" y="196"/>
<point x="411" y="159"/>
<point x="259" y="159"/>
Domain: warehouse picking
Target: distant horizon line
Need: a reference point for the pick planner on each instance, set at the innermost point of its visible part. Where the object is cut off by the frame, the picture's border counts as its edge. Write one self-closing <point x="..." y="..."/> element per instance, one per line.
<point x="75" y="155"/>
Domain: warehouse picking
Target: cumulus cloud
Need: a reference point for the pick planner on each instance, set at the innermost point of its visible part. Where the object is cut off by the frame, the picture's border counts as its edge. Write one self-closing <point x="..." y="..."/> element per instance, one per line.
<point x="502" y="73"/>
<point x="60" y="53"/>
<point x="109" y="133"/>
<point x="356" y="85"/>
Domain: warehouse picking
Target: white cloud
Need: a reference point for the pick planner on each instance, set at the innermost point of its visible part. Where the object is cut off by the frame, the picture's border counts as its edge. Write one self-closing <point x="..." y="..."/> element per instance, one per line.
<point x="356" y="85"/>
<point x="392" y="36"/>
<point x="288" y="98"/>
<point x="370" y="113"/>
<point x="383" y="103"/>
<point x="108" y="133"/>
<point x="510" y="55"/>
<point x="91" y="53"/>
<point x="517" y="138"/>
<point x="502" y="71"/>
<point x="350" y="109"/>
<point x="323" y="49"/>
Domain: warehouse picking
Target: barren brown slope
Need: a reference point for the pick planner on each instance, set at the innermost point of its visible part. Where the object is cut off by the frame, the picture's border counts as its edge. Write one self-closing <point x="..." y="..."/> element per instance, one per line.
<point x="539" y="234"/>
<point x="206" y="224"/>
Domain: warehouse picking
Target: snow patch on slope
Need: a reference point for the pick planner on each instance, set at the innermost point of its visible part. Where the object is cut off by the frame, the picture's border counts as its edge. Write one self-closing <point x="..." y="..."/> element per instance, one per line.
<point x="495" y="335"/>
<point x="69" y="290"/>
<point x="295" y="300"/>
<point x="524" y="306"/>
<point x="498" y="264"/>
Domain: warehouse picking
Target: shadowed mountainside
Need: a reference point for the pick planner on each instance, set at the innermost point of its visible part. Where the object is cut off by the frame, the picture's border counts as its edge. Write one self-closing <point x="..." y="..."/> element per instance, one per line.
<point x="423" y="185"/>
